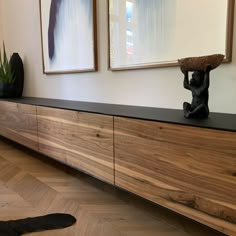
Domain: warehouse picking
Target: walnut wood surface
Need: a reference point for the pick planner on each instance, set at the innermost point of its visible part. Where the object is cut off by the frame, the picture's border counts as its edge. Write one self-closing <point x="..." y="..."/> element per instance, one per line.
<point x="81" y="140"/>
<point x="189" y="170"/>
<point x="18" y="122"/>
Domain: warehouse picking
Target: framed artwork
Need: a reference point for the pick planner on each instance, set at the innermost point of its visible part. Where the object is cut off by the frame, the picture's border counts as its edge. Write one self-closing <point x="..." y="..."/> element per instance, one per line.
<point x="68" y="31"/>
<point x="155" y="33"/>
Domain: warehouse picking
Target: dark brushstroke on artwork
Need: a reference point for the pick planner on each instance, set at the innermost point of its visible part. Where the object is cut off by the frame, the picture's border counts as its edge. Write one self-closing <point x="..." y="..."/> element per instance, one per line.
<point x="54" y="9"/>
<point x="53" y="21"/>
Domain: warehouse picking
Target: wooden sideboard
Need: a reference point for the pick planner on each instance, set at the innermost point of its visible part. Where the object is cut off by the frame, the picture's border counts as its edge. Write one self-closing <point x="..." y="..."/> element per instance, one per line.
<point x="81" y="140"/>
<point x="185" y="165"/>
<point x="18" y="122"/>
<point x="186" y="169"/>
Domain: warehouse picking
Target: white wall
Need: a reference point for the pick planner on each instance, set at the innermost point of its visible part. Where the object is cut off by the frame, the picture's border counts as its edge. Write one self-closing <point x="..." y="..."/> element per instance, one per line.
<point x="1" y="23"/>
<point x="149" y="87"/>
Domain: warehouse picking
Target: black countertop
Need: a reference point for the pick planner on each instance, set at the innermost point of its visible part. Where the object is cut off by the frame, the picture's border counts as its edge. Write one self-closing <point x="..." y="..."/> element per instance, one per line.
<point x="220" y="121"/>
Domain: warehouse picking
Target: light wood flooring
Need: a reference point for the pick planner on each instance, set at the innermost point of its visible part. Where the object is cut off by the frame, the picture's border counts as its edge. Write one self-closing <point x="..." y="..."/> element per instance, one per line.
<point x="33" y="185"/>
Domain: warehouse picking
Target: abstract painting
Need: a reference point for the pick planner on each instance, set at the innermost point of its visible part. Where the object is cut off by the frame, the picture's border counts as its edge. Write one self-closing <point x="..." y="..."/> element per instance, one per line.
<point x="68" y="31"/>
<point x="155" y="33"/>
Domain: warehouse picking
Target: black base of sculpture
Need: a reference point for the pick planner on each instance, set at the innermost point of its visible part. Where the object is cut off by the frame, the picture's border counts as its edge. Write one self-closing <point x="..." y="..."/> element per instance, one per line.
<point x="35" y="224"/>
<point x="199" y="112"/>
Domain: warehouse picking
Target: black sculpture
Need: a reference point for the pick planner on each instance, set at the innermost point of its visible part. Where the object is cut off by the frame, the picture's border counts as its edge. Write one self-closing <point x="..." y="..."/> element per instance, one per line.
<point x="18" y="70"/>
<point x="199" y="83"/>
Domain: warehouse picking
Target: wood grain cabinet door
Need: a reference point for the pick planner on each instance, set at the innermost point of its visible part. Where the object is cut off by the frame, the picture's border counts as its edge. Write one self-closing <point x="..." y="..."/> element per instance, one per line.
<point x="187" y="169"/>
<point x="18" y="122"/>
<point x="81" y="140"/>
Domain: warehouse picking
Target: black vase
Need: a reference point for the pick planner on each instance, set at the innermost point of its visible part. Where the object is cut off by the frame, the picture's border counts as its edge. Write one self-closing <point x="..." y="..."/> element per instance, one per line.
<point x="18" y="70"/>
<point x="7" y="90"/>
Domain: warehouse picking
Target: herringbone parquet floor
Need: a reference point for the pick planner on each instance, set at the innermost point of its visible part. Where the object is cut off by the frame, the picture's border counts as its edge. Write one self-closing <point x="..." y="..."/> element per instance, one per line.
<point x="32" y="185"/>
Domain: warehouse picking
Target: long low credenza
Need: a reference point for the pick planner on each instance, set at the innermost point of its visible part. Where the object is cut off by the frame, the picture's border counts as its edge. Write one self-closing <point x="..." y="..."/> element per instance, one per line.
<point x="188" y="166"/>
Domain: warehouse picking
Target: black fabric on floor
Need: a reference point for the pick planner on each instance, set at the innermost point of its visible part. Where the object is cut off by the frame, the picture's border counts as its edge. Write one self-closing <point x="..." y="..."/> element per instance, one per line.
<point x="36" y="224"/>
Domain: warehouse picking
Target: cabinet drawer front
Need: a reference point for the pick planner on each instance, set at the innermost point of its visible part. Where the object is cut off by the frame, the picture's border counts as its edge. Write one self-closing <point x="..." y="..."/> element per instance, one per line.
<point x="189" y="170"/>
<point x="81" y="140"/>
<point x="18" y="122"/>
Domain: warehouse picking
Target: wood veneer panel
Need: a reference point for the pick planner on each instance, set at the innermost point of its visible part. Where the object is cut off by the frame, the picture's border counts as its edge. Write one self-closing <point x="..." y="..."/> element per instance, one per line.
<point x="189" y="170"/>
<point x="18" y="122"/>
<point x="81" y="140"/>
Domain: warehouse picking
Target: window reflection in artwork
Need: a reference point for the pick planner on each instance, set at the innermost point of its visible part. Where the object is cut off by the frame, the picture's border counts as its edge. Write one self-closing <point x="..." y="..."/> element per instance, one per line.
<point x="129" y="30"/>
<point x="136" y="26"/>
<point x="151" y="32"/>
<point x="129" y="11"/>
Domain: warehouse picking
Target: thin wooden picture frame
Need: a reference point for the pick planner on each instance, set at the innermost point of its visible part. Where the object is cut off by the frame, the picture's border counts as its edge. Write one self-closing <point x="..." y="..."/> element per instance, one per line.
<point x="67" y="45"/>
<point x="170" y="63"/>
